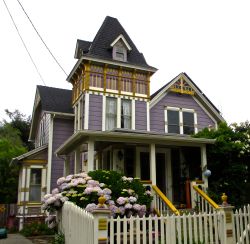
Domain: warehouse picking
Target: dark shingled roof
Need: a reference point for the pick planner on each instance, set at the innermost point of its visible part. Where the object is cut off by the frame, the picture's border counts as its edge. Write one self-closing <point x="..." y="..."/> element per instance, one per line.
<point x="55" y="99"/>
<point x="82" y="47"/>
<point x="108" y="32"/>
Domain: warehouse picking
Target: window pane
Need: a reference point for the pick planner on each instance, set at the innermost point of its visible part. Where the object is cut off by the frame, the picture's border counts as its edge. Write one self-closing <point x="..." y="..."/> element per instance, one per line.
<point x="174" y="129"/>
<point x="188" y="123"/>
<point x="173" y="117"/>
<point x="35" y="185"/>
<point x="111" y="113"/>
<point x="188" y="118"/>
<point x="126" y="114"/>
<point x="173" y="122"/>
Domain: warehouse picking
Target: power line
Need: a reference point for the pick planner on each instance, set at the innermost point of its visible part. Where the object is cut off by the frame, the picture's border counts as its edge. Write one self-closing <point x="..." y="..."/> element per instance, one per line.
<point x="42" y="38"/>
<point x="24" y="43"/>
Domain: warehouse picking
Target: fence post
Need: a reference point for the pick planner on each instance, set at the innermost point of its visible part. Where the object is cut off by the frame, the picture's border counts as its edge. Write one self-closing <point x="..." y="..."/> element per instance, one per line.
<point x="101" y="216"/>
<point x="227" y="209"/>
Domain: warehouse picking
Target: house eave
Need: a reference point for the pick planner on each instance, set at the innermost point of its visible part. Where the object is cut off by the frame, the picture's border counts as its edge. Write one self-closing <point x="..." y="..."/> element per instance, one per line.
<point x="125" y="136"/>
<point x="28" y="154"/>
<point x="84" y="57"/>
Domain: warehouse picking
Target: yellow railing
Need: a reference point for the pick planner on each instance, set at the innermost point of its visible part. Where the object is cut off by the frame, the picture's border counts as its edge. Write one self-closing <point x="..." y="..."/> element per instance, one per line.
<point x="204" y="196"/>
<point x="165" y="200"/>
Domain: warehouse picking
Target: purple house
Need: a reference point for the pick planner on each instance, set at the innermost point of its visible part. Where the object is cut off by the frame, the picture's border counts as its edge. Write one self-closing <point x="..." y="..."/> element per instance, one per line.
<point x="110" y="121"/>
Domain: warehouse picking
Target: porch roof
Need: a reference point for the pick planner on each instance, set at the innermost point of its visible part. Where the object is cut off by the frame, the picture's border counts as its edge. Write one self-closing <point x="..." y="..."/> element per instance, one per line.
<point x="29" y="153"/>
<point x="122" y="135"/>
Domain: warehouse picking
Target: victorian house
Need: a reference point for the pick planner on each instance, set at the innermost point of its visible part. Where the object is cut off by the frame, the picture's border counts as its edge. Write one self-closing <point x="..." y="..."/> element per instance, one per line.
<point x="111" y="121"/>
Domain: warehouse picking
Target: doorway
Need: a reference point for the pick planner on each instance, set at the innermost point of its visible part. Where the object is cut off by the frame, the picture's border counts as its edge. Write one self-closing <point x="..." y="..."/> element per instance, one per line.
<point x="161" y="171"/>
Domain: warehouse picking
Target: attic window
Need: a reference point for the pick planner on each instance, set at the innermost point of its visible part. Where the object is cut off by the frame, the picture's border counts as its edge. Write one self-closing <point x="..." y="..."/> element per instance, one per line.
<point x="120" y="53"/>
<point x="120" y="48"/>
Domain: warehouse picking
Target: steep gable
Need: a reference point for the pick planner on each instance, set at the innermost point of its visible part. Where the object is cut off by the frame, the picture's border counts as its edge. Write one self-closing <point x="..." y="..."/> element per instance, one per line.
<point x="182" y="84"/>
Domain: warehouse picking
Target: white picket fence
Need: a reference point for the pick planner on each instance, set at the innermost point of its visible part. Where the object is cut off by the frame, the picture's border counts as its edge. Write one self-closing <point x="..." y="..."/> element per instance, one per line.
<point x="241" y="223"/>
<point x="191" y="228"/>
<point x="76" y="224"/>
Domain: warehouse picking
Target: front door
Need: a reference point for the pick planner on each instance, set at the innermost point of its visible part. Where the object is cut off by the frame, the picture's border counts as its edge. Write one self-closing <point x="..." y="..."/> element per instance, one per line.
<point x="161" y="171"/>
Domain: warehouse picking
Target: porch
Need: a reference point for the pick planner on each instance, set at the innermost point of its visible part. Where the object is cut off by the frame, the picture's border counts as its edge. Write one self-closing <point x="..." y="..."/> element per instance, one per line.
<point x="166" y="161"/>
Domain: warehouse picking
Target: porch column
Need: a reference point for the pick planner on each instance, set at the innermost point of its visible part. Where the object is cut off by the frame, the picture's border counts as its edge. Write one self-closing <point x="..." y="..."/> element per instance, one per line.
<point x="152" y="164"/>
<point x="77" y="161"/>
<point x="204" y="164"/>
<point x="66" y="166"/>
<point x="91" y="146"/>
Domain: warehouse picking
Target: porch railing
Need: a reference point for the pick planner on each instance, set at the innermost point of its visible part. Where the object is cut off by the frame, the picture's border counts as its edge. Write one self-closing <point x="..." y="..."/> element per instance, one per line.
<point x="202" y="202"/>
<point x="162" y="204"/>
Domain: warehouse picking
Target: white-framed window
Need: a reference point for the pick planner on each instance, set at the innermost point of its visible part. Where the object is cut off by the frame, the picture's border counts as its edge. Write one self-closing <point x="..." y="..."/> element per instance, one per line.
<point x="118" y="113"/>
<point x="126" y="114"/>
<point x="35" y="185"/>
<point x="180" y="121"/>
<point x="111" y="113"/>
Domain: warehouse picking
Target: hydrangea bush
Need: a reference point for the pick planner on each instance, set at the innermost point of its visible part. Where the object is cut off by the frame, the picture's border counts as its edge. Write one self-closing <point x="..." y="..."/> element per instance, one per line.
<point x="125" y="196"/>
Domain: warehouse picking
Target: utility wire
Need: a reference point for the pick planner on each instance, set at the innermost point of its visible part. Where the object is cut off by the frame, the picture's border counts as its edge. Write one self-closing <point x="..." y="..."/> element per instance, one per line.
<point x="32" y="60"/>
<point x="41" y="38"/>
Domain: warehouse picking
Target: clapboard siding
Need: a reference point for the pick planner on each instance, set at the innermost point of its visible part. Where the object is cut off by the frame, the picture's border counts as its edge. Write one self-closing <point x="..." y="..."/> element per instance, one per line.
<point x="181" y="101"/>
<point x="95" y="112"/>
<point x="62" y="130"/>
<point x="140" y="115"/>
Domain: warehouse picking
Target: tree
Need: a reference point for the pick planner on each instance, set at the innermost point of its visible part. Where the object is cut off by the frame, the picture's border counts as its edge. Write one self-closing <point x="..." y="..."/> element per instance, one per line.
<point x="22" y="123"/>
<point x="229" y="161"/>
<point x="10" y="146"/>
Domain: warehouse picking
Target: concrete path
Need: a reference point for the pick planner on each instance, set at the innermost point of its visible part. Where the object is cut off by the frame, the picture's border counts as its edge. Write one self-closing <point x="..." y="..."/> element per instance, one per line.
<point x="15" y="239"/>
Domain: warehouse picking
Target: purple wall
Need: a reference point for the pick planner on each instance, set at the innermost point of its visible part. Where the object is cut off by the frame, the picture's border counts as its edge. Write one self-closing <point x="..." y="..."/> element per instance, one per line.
<point x="95" y="112"/>
<point x="140" y="115"/>
<point x="62" y="130"/>
<point x="180" y="101"/>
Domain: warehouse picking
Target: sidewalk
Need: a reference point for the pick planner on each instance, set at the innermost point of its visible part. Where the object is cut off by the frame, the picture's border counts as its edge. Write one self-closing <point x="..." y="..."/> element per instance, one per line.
<point x="15" y="239"/>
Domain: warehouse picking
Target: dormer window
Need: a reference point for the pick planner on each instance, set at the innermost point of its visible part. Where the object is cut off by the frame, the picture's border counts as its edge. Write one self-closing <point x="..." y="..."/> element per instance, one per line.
<point x="120" y="54"/>
<point x="120" y="48"/>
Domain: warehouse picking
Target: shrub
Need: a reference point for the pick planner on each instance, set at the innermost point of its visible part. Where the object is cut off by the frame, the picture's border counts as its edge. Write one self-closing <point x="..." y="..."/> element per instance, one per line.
<point x="36" y="229"/>
<point x="125" y="196"/>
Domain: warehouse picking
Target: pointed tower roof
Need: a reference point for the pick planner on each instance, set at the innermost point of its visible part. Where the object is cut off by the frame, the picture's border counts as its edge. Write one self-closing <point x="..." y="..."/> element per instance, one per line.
<point x="101" y="47"/>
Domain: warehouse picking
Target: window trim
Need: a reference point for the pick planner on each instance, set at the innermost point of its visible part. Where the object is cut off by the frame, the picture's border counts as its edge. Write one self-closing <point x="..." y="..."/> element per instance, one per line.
<point x="118" y="120"/>
<point x="181" y="124"/>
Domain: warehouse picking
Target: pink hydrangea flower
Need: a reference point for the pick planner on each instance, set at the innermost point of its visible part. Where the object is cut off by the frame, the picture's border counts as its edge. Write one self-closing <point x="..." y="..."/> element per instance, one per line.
<point x="121" y="200"/>
<point x="60" y="181"/>
<point x="55" y="191"/>
<point x="107" y="191"/>
<point x="90" y="207"/>
<point x="132" y="199"/>
<point x="128" y="206"/>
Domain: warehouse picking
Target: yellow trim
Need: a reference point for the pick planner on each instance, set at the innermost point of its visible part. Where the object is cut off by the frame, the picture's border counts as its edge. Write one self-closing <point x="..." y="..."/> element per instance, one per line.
<point x="103" y="224"/>
<point x="24" y="189"/>
<point x="146" y="182"/>
<point x="34" y="203"/>
<point x="35" y="161"/>
<point x="102" y="239"/>
<point x="206" y="197"/>
<point x="165" y="199"/>
<point x="157" y="212"/>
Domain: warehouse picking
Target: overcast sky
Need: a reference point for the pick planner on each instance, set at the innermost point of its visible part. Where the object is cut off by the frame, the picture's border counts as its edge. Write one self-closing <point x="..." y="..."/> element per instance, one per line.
<point x="209" y="40"/>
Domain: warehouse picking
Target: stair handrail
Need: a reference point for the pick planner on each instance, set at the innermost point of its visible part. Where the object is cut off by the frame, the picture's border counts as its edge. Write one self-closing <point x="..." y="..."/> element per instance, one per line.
<point x="165" y="200"/>
<point x="206" y="197"/>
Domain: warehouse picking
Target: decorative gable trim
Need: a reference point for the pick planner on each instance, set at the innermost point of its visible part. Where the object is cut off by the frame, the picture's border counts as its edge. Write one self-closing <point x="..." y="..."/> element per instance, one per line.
<point x="123" y="39"/>
<point x="193" y="90"/>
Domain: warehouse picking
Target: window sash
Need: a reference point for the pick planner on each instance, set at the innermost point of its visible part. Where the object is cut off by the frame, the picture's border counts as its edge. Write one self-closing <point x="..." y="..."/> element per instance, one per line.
<point x="111" y="113"/>
<point x="35" y="185"/>
<point x="126" y="111"/>
<point x="180" y="121"/>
